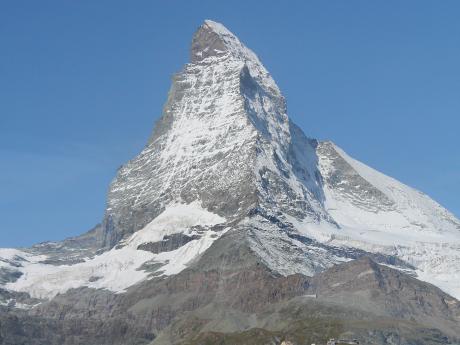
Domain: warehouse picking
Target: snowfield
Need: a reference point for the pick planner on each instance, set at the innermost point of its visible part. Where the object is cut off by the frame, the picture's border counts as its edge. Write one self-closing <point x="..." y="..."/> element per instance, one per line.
<point x="118" y="269"/>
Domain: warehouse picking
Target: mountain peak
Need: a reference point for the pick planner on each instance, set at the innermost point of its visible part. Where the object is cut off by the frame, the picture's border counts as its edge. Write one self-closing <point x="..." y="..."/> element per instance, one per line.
<point x="228" y="186"/>
<point x="214" y="39"/>
<point x="218" y="28"/>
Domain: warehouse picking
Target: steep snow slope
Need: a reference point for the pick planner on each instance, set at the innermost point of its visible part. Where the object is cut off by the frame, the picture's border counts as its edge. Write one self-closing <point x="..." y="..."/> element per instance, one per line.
<point x="359" y="196"/>
<point x="379" y="214"/>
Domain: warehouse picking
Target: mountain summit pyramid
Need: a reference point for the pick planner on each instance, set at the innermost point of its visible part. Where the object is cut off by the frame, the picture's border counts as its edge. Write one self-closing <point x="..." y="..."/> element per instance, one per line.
<point x="223" y="135"/>
<point x="227" y="186"/>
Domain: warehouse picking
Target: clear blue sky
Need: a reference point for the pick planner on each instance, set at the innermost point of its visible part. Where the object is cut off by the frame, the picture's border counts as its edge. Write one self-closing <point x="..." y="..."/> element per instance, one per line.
<point x="82" y="82"/>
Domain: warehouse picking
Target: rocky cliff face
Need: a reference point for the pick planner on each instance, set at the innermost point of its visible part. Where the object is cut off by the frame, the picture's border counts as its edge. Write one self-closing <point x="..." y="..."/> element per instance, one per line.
<point x="231" y="211"/>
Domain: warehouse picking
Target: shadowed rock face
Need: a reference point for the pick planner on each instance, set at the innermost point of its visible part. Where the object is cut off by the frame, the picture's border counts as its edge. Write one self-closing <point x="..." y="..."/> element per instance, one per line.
<point x="205" y="43"/>
<point x="355" y="187"/>
<point x="168" y="243"/>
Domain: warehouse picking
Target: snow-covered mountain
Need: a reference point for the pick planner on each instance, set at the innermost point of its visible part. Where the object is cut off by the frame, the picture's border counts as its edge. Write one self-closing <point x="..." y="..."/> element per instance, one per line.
<point x="225" y="158"/>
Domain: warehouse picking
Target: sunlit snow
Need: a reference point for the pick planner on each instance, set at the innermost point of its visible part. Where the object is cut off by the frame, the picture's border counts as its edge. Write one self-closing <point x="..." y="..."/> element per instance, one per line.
<point x="117" y="269"/>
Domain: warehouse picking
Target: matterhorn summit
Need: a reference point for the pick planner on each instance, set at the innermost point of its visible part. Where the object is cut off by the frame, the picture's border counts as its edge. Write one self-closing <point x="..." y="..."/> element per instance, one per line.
<point x="231" y="212"/>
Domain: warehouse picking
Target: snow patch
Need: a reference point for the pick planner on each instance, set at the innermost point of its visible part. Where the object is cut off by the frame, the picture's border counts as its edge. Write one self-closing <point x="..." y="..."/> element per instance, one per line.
<point x="365" y="273"/>
<point x="177" y="218"/>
